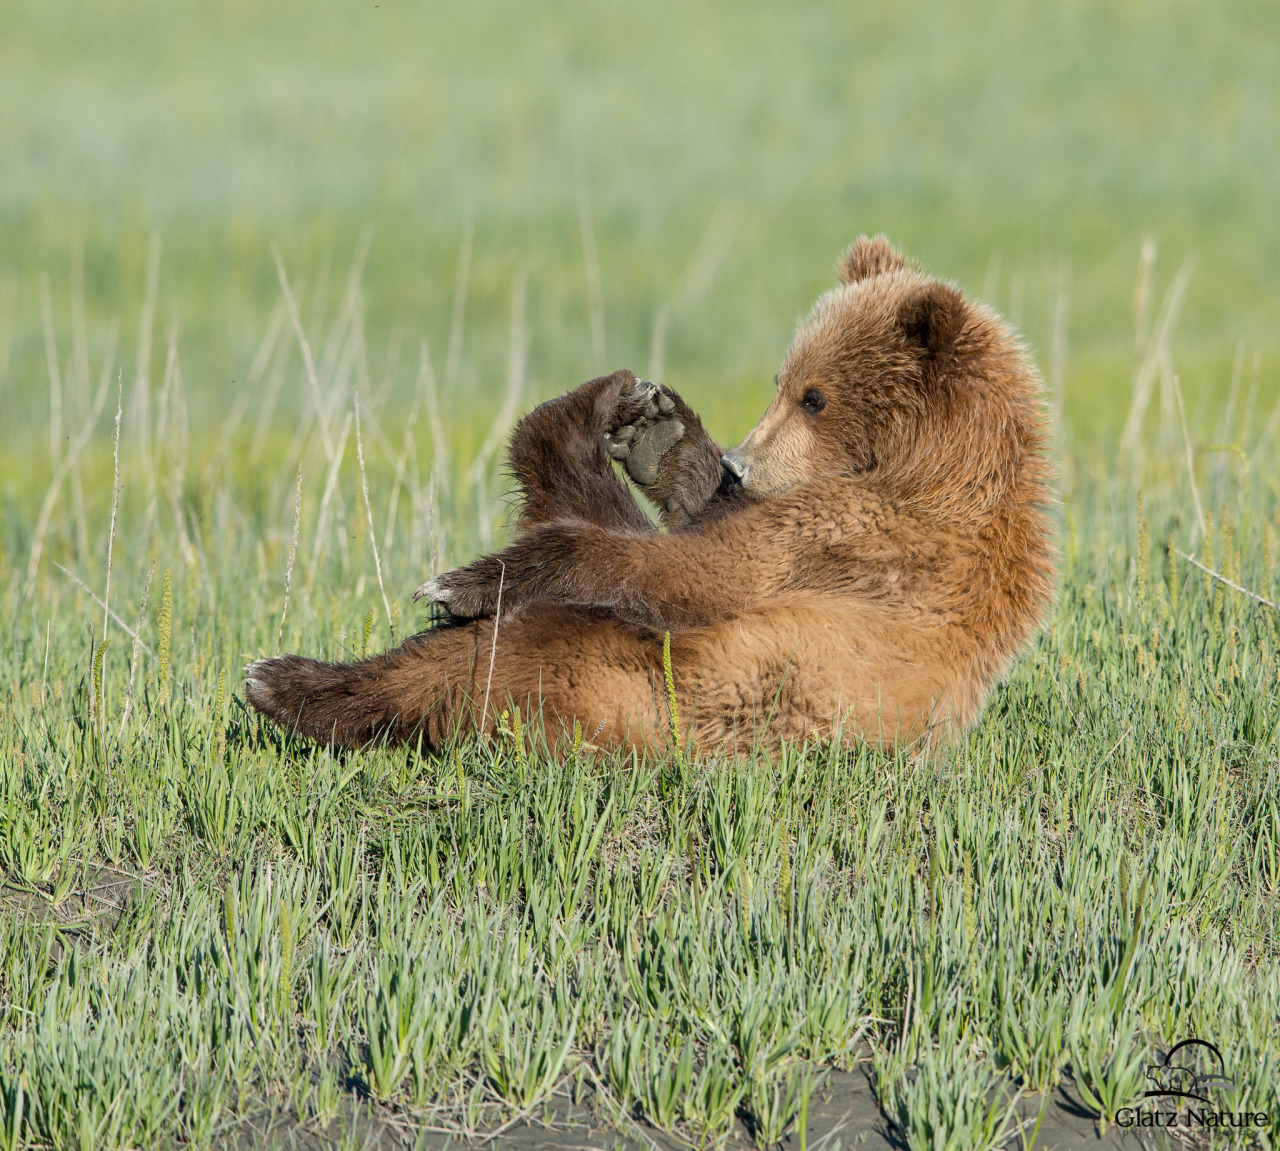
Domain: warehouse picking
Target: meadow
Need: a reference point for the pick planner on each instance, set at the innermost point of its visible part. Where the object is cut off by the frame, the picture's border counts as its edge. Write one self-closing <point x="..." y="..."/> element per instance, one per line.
<point x="274" y="285"/>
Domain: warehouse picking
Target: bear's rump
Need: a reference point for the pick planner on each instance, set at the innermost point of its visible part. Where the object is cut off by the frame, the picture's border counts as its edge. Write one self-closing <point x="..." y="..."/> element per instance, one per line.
<point x="809" y="666"/>
<point x="814" y="666"/>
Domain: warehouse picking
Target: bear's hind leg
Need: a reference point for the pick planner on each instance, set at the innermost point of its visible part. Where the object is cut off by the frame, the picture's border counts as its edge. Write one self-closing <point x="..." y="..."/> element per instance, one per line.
<point x="558" y="664"/>
<point x="560" y="455"/>
<point x="421" y="689"/>
<point x="558" y="458"/>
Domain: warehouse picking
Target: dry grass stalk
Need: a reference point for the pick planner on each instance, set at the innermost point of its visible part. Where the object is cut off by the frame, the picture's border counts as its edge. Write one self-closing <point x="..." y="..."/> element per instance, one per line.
<point x="293" y="551"/>
<point x="1142" y="299"/>
<point x="152" y="460"/>
<point x="115" y="502"/>
<point x="68" y="462"/>
<point x="402" y="462"/>
<point x="397" y="484"/>
<point x="137" y="646"/>
<point x="175" y="412"/>
<point x="308" y="361"/>
<point x="270" y="352"/>
<point x="84" y="587"/>
<point x="1156" y="352"/>
<point x="1191" y="467"/>
<point x="340" y="371"/>
<point x="426" y="525"/>
<point x="76" y="383"/>
<point x="146" y="328"/>
<point x="431" y="398"/>
<point x="330" y="485"/>
<point x="435" y="528"/>
<point x="55" y="375"/>
<point x="338" y="342"/>
<point x="368" y="509"/>
<point x="493" y="649"/>
<point x="44" y="672"/>
<point x="222" y="453"/>
<point x="363" y="379"/>
<point x="1230" y="583"/>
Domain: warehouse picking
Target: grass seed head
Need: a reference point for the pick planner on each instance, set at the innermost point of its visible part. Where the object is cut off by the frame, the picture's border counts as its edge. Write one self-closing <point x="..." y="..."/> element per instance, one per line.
<point x="166" y="630"/>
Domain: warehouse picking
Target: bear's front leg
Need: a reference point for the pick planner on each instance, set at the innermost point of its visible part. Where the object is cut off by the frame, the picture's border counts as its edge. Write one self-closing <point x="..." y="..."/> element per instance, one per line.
<point x="664" y="582"/>
<point x="661" y="443"/>
<point x="538" y="564"/>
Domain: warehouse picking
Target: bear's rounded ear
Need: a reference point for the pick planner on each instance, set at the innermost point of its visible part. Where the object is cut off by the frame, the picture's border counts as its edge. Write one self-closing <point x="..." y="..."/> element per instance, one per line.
<point x="932" y="316"/>
<point x="869" y="256"/>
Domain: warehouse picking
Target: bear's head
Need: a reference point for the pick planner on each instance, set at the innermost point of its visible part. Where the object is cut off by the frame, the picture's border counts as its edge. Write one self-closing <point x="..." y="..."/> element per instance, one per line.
<point x="896" y="379"/>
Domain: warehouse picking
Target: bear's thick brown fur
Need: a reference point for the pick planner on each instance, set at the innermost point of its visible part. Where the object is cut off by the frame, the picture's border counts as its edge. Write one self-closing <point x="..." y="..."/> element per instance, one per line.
<point x="870" y="558"/>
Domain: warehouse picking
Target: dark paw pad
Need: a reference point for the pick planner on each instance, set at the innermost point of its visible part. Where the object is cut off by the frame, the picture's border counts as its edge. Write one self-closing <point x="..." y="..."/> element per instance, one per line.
<point x="650" y="430"/>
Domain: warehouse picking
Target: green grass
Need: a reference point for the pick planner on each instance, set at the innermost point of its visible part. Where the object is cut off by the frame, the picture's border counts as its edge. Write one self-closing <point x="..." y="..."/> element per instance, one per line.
<point x="203" y="925"/>
<point x="1090" y="877"/>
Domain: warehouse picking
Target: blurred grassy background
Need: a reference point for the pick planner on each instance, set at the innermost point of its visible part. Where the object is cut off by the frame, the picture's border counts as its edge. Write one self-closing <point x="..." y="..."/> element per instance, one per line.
<point x="1002" y="144"/>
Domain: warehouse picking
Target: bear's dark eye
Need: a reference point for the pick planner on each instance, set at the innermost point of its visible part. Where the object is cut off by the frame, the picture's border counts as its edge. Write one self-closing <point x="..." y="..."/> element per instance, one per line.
<point x="814" y="401"/>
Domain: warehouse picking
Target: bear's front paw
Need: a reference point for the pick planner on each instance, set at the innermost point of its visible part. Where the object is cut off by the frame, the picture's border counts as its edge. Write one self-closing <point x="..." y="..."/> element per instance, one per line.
<point x="645" y="426"/>
<point x="260" y="682"/>
<point x="469" y="592"/>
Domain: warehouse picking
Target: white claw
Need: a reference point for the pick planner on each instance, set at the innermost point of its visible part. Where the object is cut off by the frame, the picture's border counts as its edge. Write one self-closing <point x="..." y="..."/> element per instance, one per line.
<point x="432" y="591"/>
<point x="256" y="690"/>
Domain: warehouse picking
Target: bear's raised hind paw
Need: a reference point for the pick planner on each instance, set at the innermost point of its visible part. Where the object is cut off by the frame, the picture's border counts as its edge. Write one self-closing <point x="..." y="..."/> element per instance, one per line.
<point x="647" y="428"/>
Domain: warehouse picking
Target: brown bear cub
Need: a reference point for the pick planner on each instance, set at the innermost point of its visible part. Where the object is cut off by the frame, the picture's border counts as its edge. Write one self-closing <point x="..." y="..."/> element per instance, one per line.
<point x="869" y="559"/>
